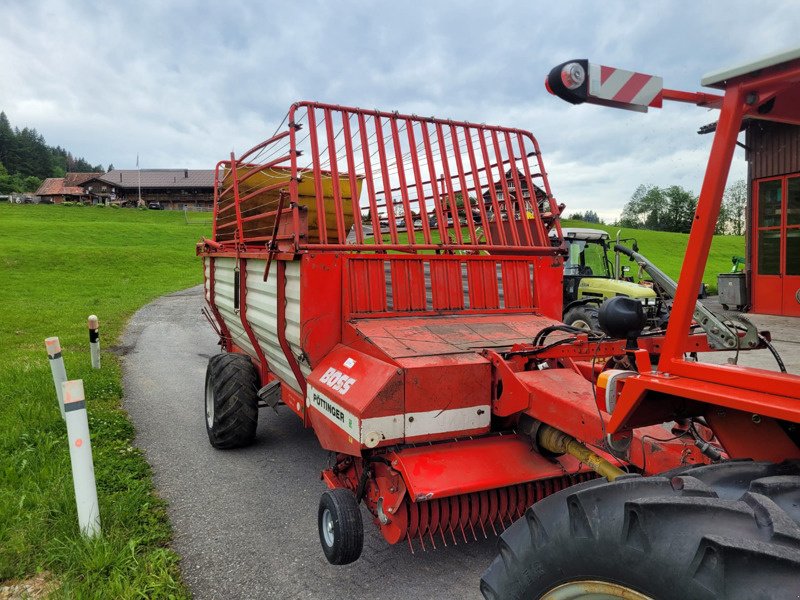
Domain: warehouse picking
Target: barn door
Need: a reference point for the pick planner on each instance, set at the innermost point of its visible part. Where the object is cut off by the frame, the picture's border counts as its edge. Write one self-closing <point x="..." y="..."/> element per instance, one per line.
<point x="791" y="248"/>
<point x="776" y="272"/>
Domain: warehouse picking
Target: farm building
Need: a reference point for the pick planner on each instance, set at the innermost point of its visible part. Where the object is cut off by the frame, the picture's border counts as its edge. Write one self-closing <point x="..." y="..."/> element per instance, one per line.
<point x="171" y="188"/>
<point x="773" y="232"/>
<point x="67" y="188"/>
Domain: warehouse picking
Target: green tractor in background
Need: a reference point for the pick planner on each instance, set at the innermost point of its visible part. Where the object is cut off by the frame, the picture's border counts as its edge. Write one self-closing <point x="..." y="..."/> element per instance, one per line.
<point x="590" y="277"/>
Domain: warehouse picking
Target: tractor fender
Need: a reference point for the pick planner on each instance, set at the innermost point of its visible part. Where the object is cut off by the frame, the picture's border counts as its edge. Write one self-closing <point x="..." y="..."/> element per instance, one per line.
<point x="582" y="302"/>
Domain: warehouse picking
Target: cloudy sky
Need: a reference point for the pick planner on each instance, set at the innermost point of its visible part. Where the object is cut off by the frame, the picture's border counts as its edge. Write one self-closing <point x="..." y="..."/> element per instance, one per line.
<point x="182" y="83"/>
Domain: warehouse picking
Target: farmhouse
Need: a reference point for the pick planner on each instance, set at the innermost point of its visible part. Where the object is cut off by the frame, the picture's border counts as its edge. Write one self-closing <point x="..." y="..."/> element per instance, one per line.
<point x="773" y="226"/>
<point x="58" y="189"/>
<point x="170" y="188"/>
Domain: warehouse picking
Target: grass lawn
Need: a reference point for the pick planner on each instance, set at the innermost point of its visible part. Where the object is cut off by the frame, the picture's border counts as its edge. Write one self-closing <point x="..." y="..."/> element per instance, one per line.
<point x="60" y="264"/>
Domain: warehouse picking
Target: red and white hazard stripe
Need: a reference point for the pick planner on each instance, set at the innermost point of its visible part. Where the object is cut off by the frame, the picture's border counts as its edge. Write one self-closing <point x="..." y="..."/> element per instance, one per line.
<point x="625" y="87"/>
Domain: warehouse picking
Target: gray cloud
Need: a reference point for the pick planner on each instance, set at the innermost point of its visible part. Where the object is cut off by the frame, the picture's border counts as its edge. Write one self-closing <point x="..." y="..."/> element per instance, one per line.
<point x="184" y="83"/>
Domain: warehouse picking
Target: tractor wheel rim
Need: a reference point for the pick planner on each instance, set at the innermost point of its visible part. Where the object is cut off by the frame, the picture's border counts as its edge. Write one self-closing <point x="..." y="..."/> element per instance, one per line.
<point x="209" y="404"/>
<point x="327" y="527"/>
<point x="594" y="590"/>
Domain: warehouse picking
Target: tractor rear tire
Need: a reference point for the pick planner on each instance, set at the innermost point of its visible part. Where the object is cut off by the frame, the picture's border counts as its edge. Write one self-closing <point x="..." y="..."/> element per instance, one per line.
<point x="730" y="530"/>
<point x="341" y="529"/>
<point x="583" y="317"/>
<point x="231" y="402"/>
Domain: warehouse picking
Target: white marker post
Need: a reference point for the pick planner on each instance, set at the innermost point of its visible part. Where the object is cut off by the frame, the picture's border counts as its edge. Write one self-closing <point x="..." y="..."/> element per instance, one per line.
<point x="94" y="340"/>
<point x="57" y="368"/>
<point x="80" y="454"/>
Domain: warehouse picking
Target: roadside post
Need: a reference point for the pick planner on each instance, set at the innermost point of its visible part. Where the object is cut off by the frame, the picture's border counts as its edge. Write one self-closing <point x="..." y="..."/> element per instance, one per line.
<point x="80" y="454"/>
<point x="57" y="368"/>
<point x="94" y="340"/>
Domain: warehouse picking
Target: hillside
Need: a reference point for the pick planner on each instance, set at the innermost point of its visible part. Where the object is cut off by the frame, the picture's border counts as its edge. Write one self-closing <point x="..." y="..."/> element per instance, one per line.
<point x="26" y="159"/>
<point x="667" y="249"/>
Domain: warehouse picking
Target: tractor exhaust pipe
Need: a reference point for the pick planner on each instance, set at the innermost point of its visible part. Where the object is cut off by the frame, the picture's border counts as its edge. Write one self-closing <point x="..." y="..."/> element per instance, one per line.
<point x="558" y="442"/>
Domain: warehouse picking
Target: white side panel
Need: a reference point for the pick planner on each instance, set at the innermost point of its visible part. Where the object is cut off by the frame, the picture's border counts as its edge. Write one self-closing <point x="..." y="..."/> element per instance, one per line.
<point x="206" y="280"/>
<point x="223" y="292"/>
<point x="262" y="312"/>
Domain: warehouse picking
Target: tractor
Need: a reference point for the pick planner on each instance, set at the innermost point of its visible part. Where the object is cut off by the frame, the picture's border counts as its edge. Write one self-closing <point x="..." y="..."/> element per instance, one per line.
<point x="726" y="529"/>
<point x="590" y="277"/>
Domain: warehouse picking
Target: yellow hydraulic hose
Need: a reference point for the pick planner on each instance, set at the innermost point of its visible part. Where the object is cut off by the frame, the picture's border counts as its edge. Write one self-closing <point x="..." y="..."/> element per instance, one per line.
<point x="558" y="442"/>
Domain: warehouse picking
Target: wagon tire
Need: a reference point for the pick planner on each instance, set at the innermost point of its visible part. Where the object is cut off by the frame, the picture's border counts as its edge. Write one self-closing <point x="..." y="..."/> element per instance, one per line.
<point x="730" y="530"/>
<point x="583" y="317"/>
<point x="231" y="403"/>
<point x="341" y="529"/>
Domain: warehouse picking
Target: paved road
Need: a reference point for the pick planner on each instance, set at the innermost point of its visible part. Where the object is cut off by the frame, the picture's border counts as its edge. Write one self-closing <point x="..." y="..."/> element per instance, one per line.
<point x="245" y="520"/>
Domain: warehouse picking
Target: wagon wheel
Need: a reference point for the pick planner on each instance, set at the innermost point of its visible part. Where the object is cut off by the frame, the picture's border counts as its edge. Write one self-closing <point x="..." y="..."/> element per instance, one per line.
<point x="231" y="403"/>
<point x="341" y="530"/>
<point x="730" y="530"/>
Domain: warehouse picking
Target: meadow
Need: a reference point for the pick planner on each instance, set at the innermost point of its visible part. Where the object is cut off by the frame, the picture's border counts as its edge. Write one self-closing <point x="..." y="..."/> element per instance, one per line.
<point x="58" y="265"/>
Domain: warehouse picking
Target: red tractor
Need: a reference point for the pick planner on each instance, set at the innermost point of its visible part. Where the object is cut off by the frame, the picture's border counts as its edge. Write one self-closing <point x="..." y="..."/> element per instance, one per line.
<point x="391" y="280"/>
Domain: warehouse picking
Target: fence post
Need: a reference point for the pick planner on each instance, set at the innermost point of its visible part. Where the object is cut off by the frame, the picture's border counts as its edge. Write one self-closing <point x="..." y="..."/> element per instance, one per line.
<point x="57" y="368"/>
<point x="80" y="454"/>
<point x="94" y="341"/>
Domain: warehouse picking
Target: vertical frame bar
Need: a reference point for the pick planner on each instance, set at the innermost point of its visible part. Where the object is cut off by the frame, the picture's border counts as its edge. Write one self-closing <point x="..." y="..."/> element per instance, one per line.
<point x="322" y="226"/>
<point x="473" y="165"/>
<point x="352" y="178"/>
<point x="463" y="183"/>
<point x="441" y="223"/>
<point x="334" y="168"/>
<point x="512" y="225"/>
<point x="448" y="181"/>
<point x="498" y="217"/>
<point x="387" y="186"/>
<point x="512" y="166"/>
<point x="423" y="209"/>
<point x="401" y="174"/>
<point x="373" y="205"/>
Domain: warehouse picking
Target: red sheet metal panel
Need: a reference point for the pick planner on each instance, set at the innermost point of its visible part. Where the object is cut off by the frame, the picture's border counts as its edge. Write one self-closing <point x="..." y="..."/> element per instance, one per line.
<point x="401" y="337"/>
<point x="446" y="285"/>
<point x="408" y="285"/>
<point x="467" y="466"/>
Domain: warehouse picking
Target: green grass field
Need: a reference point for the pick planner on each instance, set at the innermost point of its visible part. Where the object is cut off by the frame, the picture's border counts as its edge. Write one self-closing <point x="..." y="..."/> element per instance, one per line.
<point x="58" y="265"/>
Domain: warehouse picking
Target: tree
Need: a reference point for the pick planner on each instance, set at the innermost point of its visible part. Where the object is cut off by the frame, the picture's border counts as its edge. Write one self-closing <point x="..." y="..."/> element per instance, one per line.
<point x="735" y="203"/>
<point x="660" y="209"/>
<point x="591" y="217"/>
<point x="110" y="167"/>
<point x="576" y="217"/>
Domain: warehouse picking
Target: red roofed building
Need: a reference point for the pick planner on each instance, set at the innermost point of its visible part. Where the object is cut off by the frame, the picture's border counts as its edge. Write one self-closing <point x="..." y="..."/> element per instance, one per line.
<point x="58" y="189"/>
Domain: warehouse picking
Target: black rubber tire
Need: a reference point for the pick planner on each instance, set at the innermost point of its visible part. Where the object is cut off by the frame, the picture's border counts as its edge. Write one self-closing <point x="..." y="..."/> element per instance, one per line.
<point x="347" y="526"/>
<point x="586" y="313"/>
<point x="728" y="531"/>
<point x="233" y="380"/>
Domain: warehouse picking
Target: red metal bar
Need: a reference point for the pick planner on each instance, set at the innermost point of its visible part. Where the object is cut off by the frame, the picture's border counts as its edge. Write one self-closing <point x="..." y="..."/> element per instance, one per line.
<point x="373" y="205"/>
<point x="236" y="197"/>
<point x="262" y="359"/>
<point x="401" y="174"/>
<point x="512" y="226"/>
<point x="334" y="168"/>
<point x="703" y="226"/>
<point x="352" y="177"/>
<point x="698" y="98"/>
<point x="518" y="189"/>
<point x="281" y="319"/>
<point x="554" y="210"/>
<point x="216" y="200"/>
<point x="522" y="250"/>
<point x="387" y="188"/>
<point x="492" y="190"/>
<point x="260" y="168"/>
<point x="273" y="246"/>
<point x="463" y="183"/>
<point x="478" y="188"/>
<point x="264" y="144"/>
<point x="318" y="192"/>
<point x="426" y="229"/>
<point x="266" y="188"/>
<point x="294" y="181"/>
<point x="543" y="238"/>
<point x="451" y="197"/>
<point x="441" y="222"/>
